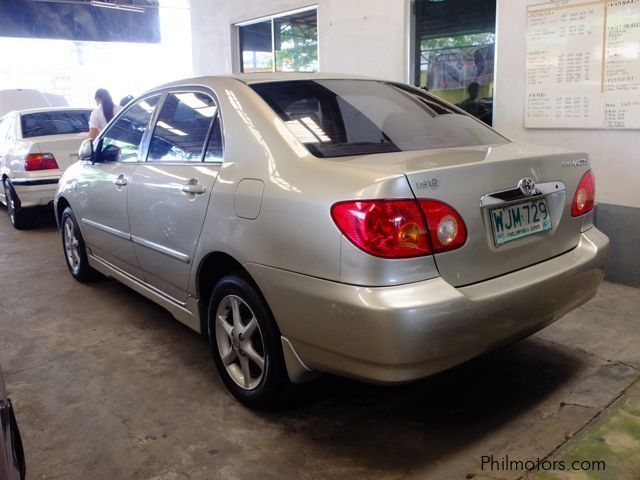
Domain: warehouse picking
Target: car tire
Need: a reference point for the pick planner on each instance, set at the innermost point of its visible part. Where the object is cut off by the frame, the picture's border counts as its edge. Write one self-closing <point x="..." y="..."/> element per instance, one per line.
<point x="246" y="346"/>
<point x="19" y="217"/>
<point x="75" y="252"/>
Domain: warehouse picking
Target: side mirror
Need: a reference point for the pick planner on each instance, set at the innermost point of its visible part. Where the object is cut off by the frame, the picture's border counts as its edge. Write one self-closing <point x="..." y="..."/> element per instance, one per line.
<point x="86" y="150"/>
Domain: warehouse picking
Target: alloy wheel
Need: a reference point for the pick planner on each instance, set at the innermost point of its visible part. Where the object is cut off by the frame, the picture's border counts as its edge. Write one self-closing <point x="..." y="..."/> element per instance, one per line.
<point x="71" y="245"/>
<point x="240" y="342"/>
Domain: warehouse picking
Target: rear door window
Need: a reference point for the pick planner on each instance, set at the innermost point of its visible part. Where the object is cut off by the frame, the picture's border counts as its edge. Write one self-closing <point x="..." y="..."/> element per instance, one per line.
<point x="123" y="139"/>
<point x="182" y="128"/>
<point x="41" y="124"/>
<point x="354" y="117"/>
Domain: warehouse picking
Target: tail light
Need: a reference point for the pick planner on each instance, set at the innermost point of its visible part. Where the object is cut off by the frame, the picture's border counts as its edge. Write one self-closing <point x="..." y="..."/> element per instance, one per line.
<point x="446" y="227"/>
<point x="585" y="195"/>
<point x="40" y="161"/>
<point x="400" y="228"/>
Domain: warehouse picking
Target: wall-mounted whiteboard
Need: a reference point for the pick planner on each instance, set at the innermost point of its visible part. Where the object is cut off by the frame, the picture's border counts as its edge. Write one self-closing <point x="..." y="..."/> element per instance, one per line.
<point x="583" y="64"/>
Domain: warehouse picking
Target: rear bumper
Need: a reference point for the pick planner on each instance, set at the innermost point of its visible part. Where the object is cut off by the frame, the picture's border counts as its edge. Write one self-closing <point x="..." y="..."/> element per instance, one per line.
<point x="32" y="192"/>
<point x="401" y="333"/>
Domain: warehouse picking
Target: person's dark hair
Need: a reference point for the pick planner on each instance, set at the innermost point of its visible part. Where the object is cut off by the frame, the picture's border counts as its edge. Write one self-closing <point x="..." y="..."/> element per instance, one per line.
<point x="106" y="102"/>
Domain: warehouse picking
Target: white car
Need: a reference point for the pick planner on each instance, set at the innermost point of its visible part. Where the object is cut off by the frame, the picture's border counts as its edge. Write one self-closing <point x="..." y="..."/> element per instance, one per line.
<point x="36" y="146"/>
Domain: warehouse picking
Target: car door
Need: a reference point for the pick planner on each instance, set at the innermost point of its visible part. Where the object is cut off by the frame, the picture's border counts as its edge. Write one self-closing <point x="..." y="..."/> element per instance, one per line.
<point x="169" y="193"/>
<point x="103" y="188"/>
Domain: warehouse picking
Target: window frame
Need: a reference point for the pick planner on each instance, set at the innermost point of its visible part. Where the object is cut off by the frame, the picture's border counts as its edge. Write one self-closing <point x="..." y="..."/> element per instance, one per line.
<point x="237" y="55"/>
<point x="154" y="120"/>
<point x="145" y="136"/>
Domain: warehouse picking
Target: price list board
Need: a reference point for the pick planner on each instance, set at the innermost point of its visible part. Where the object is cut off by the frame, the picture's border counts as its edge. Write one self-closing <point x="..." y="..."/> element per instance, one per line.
<point x="583" y="65"/>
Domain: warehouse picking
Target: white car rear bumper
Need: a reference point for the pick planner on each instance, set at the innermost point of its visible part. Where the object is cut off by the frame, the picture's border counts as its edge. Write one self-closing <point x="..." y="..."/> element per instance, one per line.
<point x="33" y="192"/>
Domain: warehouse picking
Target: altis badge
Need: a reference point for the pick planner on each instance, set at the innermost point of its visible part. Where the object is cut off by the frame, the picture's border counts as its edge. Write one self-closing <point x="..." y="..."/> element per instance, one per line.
<point x="428" y="183"/>
<point x="583" y="162"/>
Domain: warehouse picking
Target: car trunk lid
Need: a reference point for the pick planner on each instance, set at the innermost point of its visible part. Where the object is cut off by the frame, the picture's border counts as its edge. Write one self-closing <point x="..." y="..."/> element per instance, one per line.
<point x="63" y="147"/>
<point x="477" y="180"/>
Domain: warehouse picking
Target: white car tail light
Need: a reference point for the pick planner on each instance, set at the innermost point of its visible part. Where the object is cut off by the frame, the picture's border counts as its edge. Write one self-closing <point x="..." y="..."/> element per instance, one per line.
<point x="40" y="161"/>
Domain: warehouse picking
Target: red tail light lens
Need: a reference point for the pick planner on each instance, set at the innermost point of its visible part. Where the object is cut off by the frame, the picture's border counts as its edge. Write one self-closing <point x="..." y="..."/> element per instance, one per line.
<point x="446" y="227"/>
<point x="585" y="195"/>
<point x="384" y="228"/>
<point x="40" y="161"/>
<point x="397" y="228"/>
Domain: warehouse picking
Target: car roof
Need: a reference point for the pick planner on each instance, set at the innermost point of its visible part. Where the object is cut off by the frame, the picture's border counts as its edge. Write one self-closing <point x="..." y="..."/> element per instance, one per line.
<point x="251" y="78"/>
<point x="53" y="109"/>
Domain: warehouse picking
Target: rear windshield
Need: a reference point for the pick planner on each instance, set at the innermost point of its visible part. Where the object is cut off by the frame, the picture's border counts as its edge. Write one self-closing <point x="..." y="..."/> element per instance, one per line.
<point x="335" y="118"/>
<point x="55" y="123"/>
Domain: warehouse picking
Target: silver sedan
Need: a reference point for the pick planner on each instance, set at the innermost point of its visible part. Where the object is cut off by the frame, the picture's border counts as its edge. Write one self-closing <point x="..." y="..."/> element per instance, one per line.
<point x="308" y="223"/>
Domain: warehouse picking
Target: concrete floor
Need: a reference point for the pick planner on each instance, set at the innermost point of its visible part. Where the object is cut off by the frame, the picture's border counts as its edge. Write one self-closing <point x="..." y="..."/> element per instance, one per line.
<point x="108" y="386"/>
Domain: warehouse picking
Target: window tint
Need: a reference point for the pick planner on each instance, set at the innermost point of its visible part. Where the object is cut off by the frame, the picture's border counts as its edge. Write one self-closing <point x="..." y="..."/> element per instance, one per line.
<point x="122" y="140"/>
<point x="54" y="123"/>
<point x="214" y="148"/>
<point x="355" y="117"/>
<point x="182" y="127"/>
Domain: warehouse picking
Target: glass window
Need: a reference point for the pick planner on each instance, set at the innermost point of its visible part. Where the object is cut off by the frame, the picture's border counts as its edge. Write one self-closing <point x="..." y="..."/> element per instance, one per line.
<point x="55" y="123"/>
<point x="296" y="42"/>
<point x="355" y="117"/>
<point x="214" y="148"/>
<point x="454" y="52"/>
<point x="122" y="140"/>
<point x="256" y="47"/>
<point x="284" y="43"/>
<point x="182" y="127"/>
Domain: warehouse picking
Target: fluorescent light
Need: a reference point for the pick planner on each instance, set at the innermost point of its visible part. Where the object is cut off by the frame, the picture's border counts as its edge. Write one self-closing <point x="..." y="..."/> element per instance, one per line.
<point x="117" y="6"/>
<point x="191" y="100"/>
<point x="197" y="104"/>
<point x="175" y="131"/>
<point x="146" y="107"/>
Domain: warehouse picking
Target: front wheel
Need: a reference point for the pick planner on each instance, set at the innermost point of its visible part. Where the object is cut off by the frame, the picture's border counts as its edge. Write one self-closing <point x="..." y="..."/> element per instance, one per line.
<point x="75" y="253"/>
<point x="19" y="217"/>
<point x="245" y="343"/>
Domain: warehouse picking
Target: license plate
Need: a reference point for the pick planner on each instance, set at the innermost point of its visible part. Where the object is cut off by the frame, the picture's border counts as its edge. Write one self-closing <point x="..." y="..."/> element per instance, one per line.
<point x="519" y="220"/>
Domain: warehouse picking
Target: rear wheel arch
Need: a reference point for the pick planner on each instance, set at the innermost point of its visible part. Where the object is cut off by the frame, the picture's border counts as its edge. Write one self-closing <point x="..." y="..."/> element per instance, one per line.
<point x="60" y="206"/>
<point x="212" y="268"/>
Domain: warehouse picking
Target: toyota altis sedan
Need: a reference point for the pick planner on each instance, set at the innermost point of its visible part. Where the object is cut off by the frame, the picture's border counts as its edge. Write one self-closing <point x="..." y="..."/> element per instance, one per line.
<point x="311" y="223"/>
<point x="36" y="145"/>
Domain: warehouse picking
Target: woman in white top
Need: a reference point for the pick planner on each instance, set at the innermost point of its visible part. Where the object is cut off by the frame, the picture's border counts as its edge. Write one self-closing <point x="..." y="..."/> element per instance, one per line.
<point x="103" y="113"/>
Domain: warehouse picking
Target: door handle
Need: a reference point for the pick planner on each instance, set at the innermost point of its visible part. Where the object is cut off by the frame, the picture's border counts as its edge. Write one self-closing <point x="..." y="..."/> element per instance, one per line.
<point x="120" y="181"/>
<point x="192" y="187"/>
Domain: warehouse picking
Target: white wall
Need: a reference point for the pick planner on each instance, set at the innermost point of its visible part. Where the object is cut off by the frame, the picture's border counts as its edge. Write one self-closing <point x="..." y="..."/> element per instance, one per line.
<point x="365" y="37"/>
<point x="615" y="154"/>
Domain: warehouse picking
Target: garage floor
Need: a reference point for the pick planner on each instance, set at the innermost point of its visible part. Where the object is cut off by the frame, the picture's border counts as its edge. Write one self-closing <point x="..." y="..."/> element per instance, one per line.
<point x="108" y="386"/>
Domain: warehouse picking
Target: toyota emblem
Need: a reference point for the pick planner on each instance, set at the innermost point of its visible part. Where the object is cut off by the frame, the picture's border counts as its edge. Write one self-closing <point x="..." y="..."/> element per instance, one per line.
<point x="527" y="186"/>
